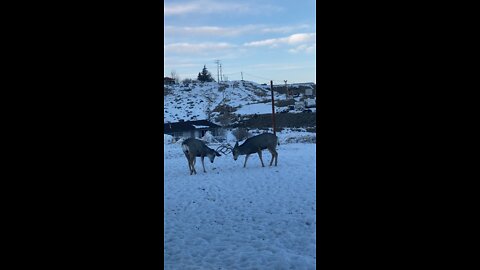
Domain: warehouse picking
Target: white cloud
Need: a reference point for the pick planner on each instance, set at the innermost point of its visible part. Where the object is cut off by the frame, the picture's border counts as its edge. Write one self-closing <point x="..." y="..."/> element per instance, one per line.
<point x="211" y="7"/>
<point x="290" y="40"/>
<point x="284" y="29"/>
<point x="231" y="31"/>
<point x="209" y="30"/>
<point x="301" y="38"/>
<point x="304" y="48"/>
<point x="197" y="48"/>
<point x="177" y="9"/>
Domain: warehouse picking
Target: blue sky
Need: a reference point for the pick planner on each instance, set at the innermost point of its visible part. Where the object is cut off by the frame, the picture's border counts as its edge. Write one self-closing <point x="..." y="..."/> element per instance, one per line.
<point x="264" y="39"/>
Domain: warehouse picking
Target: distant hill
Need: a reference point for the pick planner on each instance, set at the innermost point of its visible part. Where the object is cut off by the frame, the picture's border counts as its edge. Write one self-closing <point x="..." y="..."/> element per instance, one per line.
<point x="194" y="101"/>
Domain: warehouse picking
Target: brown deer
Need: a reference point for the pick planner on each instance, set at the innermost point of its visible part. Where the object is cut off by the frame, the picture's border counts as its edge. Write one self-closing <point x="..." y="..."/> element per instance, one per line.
<point x="255" y="145"/>
<point x="193" y="148"/>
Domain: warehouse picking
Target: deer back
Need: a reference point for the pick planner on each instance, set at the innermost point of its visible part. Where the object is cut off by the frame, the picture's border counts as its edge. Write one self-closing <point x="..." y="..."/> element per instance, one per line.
<point x="197" y="148"/>
<point x="259" y="142"/>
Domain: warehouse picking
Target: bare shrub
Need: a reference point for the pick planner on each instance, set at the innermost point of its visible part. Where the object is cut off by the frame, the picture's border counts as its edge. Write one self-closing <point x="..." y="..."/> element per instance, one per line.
<point x="307" y="138"/>
<point x="260" y="93"/>
<point x="226" y="119"/>
<point x="284" y="103"/>
<point x="241" y="133"/>
<point x="222" y="87"/>
<point x="224" y="108"/>
<point x="226" y="115"/>
<point x="188" y="81"/>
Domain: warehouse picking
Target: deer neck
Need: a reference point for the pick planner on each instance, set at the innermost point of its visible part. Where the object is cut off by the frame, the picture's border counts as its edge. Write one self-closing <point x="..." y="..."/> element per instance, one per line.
<point x="243" y="149"/>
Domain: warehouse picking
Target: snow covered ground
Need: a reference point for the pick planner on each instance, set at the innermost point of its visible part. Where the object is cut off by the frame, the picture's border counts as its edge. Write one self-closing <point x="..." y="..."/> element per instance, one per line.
<point x="259" y="108"/>
<point x="241" y="218"/>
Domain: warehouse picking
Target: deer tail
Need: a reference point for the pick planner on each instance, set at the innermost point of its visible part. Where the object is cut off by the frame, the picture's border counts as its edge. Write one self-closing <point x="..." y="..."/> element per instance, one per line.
<point x="185" y="148"/>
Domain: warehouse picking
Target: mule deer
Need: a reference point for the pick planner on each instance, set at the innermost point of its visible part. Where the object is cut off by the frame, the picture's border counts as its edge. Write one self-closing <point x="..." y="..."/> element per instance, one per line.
<point x="255" y="145"/>
<point x="193" y="148"/>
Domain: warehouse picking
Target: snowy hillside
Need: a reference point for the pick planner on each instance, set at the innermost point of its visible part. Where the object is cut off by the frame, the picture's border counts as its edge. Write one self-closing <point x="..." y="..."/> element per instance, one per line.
<point x="192" y="101"/>
<point x="241" y="218"/>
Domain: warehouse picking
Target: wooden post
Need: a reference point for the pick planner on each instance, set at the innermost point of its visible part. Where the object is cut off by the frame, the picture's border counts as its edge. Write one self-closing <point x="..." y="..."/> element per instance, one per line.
<point x="273" y="109"/>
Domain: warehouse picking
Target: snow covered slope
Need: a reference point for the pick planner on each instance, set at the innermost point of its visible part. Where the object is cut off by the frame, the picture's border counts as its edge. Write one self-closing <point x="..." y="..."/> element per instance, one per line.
<point x="190" y="102"/>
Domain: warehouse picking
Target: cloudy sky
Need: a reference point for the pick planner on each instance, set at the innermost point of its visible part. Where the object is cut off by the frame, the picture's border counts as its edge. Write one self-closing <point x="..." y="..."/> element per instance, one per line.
<point x="264" y="39"/>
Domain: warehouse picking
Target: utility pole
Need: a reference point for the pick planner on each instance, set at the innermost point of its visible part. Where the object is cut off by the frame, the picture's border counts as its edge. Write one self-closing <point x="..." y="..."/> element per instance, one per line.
<point x="242" y="75"/>
<point x="286" y="89"/>
<point x="273" y="109"/>
<point x="221" y="76"/>
<point x="218" y="77"/>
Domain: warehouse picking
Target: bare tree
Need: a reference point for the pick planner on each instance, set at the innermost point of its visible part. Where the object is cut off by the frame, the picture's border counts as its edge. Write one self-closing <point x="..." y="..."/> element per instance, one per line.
<point x="225" y="119"/>
<point x="208" y="106"/>
<point x="241" y="133"/>
<point x="175" y="76"/>
<point x="227" y="115"/>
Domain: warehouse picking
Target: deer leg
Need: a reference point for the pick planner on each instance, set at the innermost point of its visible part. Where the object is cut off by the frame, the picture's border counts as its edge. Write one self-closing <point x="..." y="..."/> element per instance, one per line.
<point x="190" y="164"/>
<point x="203" y="164"/>
<point x="189" y="167"/>
<point x="276" y="157"/>
<point x="194" y="160"/>
<point x="260" y="155"/>
<point x="245" y="163"/>
<point x="273" y="156"/>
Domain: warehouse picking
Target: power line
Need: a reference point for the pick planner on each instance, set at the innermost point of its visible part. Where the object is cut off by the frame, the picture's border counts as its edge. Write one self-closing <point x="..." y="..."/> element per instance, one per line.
<point x="263" y="78"/>
<point x="232" y="73"/>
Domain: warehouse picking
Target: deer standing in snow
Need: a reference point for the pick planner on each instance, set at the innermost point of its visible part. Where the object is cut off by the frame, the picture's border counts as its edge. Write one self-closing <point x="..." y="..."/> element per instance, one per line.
<point x="193" y="148"/>
<point x="255" y="145"/>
